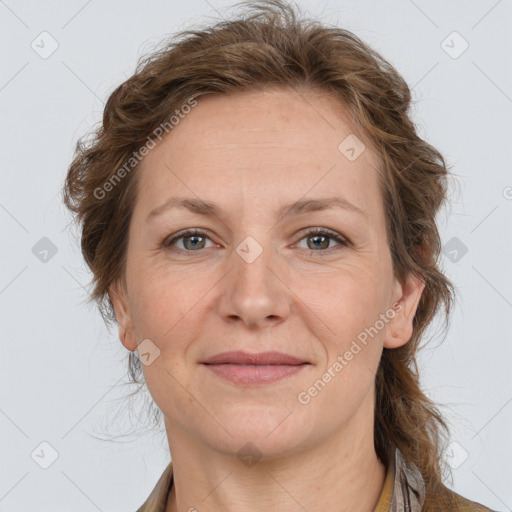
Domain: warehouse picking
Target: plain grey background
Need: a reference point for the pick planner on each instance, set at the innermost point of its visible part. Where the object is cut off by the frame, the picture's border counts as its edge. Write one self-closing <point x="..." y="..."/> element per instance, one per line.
<point x="62" y="371"/>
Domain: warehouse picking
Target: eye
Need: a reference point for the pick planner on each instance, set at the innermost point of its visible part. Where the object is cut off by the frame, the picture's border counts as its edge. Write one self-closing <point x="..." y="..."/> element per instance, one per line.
<point x="193" y="240"/>
<point x="320" y="240"/>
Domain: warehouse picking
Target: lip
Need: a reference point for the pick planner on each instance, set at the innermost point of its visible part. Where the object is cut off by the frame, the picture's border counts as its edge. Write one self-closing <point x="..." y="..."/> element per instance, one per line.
<point x="246" y="368"/>
<point x="246" y="358"/>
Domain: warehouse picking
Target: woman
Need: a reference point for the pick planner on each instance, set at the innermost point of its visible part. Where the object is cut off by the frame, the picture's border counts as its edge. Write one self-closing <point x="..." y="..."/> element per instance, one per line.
<point x="259" y="216"/>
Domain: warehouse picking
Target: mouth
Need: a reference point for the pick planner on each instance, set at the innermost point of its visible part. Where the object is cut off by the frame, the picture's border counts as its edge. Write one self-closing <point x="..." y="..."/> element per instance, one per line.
<point x="263" y="368"/>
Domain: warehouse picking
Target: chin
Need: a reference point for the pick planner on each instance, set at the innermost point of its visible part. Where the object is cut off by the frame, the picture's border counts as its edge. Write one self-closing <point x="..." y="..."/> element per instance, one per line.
<point x="261" y="433"/>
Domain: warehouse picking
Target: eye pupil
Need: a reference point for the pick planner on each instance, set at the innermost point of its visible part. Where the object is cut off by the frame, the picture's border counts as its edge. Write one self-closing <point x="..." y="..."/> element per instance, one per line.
<point x="322" y="246"/>
<point x="194" y="245"/>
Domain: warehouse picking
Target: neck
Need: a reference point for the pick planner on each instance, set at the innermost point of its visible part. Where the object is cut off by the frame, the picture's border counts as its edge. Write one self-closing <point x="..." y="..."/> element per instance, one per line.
<point x="343" y="473"/>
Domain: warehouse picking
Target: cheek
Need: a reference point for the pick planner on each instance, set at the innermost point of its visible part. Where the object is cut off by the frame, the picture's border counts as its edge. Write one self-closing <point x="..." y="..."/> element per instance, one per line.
<point x="353" y="343"/>
<point x="166" y="307"/>
<point x="164" y="301"/>
<point x="349" y="302"/>
<point x="351" y="307"/>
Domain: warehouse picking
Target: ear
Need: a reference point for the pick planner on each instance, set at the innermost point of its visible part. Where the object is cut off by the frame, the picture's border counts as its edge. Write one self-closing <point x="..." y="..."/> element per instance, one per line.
<point x="119" y="298"/>
<point x="407" y="297"/>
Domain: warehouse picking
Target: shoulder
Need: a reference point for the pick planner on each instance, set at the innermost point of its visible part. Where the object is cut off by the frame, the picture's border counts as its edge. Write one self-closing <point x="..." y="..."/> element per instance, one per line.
<point x="448" y="500"/>
<point x="410" y="492"/>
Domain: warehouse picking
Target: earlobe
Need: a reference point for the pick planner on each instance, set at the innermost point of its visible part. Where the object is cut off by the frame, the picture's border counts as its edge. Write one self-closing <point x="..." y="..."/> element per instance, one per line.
<point x="117" y="296"/>
<point x="400" y="328"/>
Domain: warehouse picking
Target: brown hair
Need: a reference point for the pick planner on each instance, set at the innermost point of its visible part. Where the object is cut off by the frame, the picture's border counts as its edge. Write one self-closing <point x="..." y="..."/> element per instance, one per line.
<point x="271" y="46"/>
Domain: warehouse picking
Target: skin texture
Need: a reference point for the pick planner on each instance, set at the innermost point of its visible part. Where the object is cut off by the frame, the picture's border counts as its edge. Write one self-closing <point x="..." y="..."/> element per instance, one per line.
<point x="252" y="153"/>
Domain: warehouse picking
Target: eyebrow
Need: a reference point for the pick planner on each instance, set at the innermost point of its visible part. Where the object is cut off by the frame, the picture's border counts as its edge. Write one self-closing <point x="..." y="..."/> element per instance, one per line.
<point x="298" y="207"/>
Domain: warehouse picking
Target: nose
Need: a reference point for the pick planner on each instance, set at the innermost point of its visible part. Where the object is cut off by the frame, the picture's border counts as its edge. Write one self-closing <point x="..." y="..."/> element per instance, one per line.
<point x="254" y="293"/>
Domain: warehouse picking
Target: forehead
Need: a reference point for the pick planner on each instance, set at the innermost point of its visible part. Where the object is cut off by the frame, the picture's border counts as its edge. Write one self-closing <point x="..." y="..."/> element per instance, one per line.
<point x="264" y="146"/>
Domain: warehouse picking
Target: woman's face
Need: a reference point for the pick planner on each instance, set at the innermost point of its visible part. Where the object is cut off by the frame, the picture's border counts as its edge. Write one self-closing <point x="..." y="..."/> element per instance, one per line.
<point x="254" y="279"/>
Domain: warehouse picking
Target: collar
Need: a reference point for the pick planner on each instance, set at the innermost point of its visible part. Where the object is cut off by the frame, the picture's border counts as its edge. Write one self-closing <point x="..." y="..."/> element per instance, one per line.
<point x="408" y="491"/>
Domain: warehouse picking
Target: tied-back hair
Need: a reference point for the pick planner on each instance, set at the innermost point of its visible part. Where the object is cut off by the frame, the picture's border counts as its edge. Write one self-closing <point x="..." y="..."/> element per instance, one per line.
<point x="270" y="46"/>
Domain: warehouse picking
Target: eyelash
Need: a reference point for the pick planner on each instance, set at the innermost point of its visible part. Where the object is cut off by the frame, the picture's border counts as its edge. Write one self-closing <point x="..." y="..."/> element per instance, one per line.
<point x="310" y="231"/>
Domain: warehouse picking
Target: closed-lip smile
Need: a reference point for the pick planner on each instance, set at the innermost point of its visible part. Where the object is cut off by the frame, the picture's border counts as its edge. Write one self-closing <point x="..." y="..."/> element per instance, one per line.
<point x="247" y="368"/>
